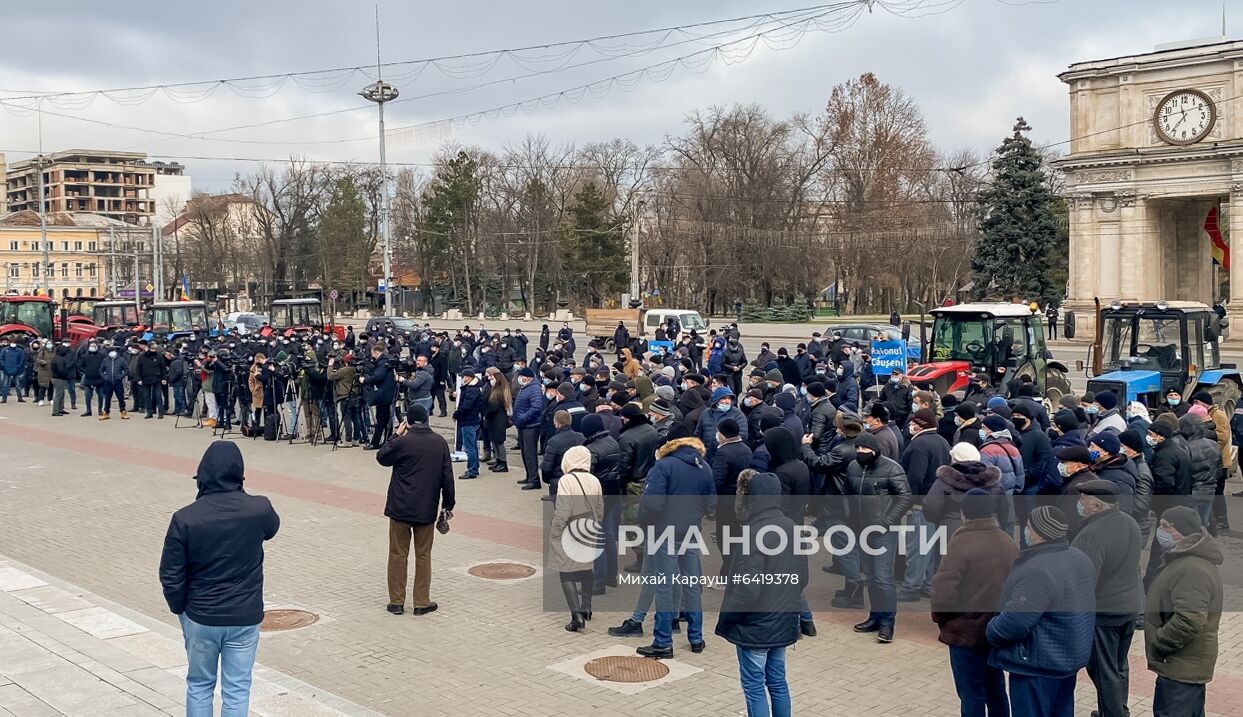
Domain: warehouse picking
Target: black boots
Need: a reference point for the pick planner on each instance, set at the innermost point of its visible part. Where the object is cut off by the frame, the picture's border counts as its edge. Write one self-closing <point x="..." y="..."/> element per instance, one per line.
<point x="849" y="597"/>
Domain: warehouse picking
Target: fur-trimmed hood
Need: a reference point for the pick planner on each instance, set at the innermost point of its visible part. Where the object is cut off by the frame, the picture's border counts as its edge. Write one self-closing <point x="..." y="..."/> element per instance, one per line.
<point x="972" y="474"/>
<point x="670" y="446"/>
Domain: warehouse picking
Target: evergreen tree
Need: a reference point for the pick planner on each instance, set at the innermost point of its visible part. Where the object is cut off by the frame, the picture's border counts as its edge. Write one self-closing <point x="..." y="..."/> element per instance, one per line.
<point x="598" y="246"/>
<point x="1014" y="257"/>
<point x="343" y="236"/>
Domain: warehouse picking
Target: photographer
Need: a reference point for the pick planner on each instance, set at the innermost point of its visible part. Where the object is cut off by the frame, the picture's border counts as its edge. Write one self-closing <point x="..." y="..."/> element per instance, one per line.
<point x="346" y="397"/>
<point x="440" y="371"/>
<point x="385" y="392"/>
<point x="419" y="384"/>
<point x="222" y="387"/>
<point x="274" y="380"/>
<point x="311" y="384"/>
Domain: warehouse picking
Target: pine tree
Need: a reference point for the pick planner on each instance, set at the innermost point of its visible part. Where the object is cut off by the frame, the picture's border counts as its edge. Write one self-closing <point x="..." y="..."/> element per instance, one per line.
<point x="343" y="237"/>
<point x="598" y="249"/>
<point x="1014" y="257"/>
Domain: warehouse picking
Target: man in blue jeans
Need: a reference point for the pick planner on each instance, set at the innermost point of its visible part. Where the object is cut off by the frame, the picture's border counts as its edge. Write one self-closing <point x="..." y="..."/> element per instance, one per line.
<point x="678" y="492"/>
<point x="212" y="575"/>
<point x="884" y="497"/>
<point x="12" y="366"/>
<point x="468" y="414"/>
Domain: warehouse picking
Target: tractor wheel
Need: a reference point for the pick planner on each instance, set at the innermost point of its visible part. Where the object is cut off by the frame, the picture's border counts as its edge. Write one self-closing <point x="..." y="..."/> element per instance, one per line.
<point x="610" y="346"/>
<point x="1225" y="396"/>
<point x="1056" y="386"/>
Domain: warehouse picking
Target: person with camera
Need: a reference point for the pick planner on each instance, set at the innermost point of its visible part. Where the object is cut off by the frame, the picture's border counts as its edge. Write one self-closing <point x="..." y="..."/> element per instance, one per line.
<point x="347" y="396"/>
<point x="311" y="383"/>
<point x="381" y="378"/>
<point x="222" y="387"/>
<point x="419" y="384"/>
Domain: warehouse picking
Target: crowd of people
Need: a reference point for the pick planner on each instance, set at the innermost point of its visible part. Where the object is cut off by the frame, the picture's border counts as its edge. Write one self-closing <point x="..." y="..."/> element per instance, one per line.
<point x="1049" y="507"/>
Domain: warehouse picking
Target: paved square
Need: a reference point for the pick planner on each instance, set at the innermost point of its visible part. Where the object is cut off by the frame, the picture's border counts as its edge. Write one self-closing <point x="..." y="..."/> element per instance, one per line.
<point x="83" y="510"/>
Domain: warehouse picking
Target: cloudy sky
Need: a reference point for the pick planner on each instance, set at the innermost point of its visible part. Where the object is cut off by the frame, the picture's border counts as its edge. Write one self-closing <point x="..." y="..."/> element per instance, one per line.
<point x="972" y="68"/>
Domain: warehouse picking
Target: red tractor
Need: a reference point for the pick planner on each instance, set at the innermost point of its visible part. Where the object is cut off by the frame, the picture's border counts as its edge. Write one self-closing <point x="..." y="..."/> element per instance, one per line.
<point x="23" y="318"/>
<point x="301" y="316"/>
<point x="1002" y="340"/>
<point x="107" y="317"/>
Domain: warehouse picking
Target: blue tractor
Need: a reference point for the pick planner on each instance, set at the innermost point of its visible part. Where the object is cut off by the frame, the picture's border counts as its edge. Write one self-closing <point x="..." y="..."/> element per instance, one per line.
<point x="171" y="320"/>
<point x="1142" y="350"/>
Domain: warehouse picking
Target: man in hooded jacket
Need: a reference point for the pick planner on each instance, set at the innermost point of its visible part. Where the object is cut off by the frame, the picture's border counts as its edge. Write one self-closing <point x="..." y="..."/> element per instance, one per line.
<point x="212" y="574"/>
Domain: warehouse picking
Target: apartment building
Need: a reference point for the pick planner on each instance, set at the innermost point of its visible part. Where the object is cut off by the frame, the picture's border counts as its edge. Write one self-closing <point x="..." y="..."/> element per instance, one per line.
<point x="112" y="184"/>
<point x="79" y="261"/>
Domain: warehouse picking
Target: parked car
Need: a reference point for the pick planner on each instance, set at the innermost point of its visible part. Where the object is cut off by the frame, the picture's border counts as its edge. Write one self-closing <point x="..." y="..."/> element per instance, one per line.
<point x="861" y="336"/>
<point x="400" y="324"/>
<point x="251" y="323"/>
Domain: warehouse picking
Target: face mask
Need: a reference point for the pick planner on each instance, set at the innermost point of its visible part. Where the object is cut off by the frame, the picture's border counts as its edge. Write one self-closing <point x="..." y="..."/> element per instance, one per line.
<point x="1150" y="440"/>
<point x="685" y="387"/>
<point x="112" y="354"/>
<point x="1020" y="423"/>
<point x="1063" y="470"/>
<point x="93" y="349"/>
<point x="865" y="458"/>
<point x="894" y="380"/>
<point x="820" y="372"/>
<point x="1079" y="509"/>
<point x="912" y="429"/>
<point x="840" y="373"/>
<point x="1165" y="539"/>
<point x="802" y="390"/>
<point x="547" y="381"/>
<point x="724" y="407"/>
<point x="983" y="435"/>
<point x="1094" y="455"/>
<point x="1092" y="410"/>
<point x="1027" y="536"/>
<point x="957" y="420"/>
<point x="1173" y="401"/>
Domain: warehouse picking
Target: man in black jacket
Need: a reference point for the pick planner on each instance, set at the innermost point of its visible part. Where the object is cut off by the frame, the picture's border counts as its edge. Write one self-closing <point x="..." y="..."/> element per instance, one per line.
<point x="151" y="379"/>
<point x="420" y="487"/>
<point x="212" y="574"/>
<point x="563" y="440"/>
<point x="384" y="391"/>
<point x="923" y="455"/>
<point x="885" y="497"/>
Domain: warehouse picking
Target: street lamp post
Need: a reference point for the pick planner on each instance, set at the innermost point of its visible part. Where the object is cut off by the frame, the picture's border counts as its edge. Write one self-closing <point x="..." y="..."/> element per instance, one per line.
<point x="380" y="92"/>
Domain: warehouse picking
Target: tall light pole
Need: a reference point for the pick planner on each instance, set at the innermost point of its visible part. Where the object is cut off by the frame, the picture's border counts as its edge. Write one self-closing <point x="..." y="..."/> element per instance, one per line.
<point x="46" y="280"/>
<point x="380" y="92"/>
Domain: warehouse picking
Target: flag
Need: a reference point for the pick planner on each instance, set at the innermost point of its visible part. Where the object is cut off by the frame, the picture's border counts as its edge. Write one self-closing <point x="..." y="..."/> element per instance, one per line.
<point x="185" y="288"/>
<point x="1221" y="252"/>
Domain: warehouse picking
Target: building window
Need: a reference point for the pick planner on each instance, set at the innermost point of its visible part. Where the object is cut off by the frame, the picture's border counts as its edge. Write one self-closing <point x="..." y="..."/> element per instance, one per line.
<point x="64" y="270"/>
<point x="64" y="246"/>
<point x="77" y="269"/>
<point x="15" y="271"/>
<point x="90" y="246"/>
<point x="91" y="269"/>
<point x="13" y="245"/>
<point x="34" y="270"/>
<point x="77" y="246"/>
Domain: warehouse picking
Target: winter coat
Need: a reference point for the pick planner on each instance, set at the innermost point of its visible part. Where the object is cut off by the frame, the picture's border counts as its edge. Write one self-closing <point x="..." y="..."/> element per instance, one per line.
<point x="795" y="478"/>
<point x="212" y="565"/>
<point x="529" y="406"/>
<point x="344" y="381"/>
<point x="579" y="495"/>
<point x="422" y="478"/>
<point x="1143" y="494"/>
<point x="637" y="442"/>
<point x="1205" y="455"/>
<point x="88" y="367"/>
<point x="943" y="504"/>
<point x="889" y="447"/>
<point x="12" y="360"/>
<point x="1220" y="432"/>
<point x="645" y="392"/>
<point x="789" y="369"/>
<point x="680" y="470"/>
<point x="734" y="359"/>
<point x="1111" y="540"/>
<point x="561" y="441"/>
<point x="1110" y="420"/>
<point x="884" y="496"/>
<point x="1182" y="613"/>
<point x="706" y="429"/>
<point x="1040" y="413"/>
<point x="62" y="368"/>
<point x="605" y="461"/>
<point x="897" y="397"/>
<point x="469" y="411"/>
<point x="757" y="615"/>
<point x="1051" y="481"/>
<point x="1036" y="452"/>
<point x="998" y="450"/>
<point x="966" y="589"/>
<point x="691" y="404"/>
<point x="820" y="423"/>
<point x="834" y="463"/>
<point x="177" y="370"/>
<point x="1118" y="470"/>
<point x="731" y="459"/>
<point x="1045" y="623"/>
<point x="254" y="381"/>
<point x="847" y="389"/>
<point x="1171" y="468"/>
<point x="924" y="456"/>
<point x="419" y="385"/>
<point x="112" y="370"/>
<point x="383" y="383"/>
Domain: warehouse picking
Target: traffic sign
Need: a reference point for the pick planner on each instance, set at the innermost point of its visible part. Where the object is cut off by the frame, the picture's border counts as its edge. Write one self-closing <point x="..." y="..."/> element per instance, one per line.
<point x="333" y="295"/>
<point x="150" y="286"/>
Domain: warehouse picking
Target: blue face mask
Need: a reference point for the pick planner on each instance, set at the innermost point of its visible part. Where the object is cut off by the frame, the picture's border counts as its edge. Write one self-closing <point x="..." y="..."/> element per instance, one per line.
<point x="1094" y="454"/>
<point x="723" y="407"/>
<point x="1165" y="539"/>
<point x="802" y="390"/>
<point x="1092" y="410"/>
<point x="1063" y="470"/>
<point x="1173" y="401"/>
<point x="983" y="435"/>
<point x="1027" y="536"/>
<point x="1079" y="509"/>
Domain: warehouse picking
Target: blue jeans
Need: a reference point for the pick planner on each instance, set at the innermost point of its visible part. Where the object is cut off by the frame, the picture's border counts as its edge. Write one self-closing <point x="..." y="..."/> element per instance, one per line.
<point x="233" y="649"/>
<point x="111" y="390"/>
<point x="606" y="565"/>
<point x="882" y="592"/>
<point x="981" y="688"/>
<point x="71" y="385"/>
<point x="666" y="561"/>
<point x="763" y="677"/>
<point x="1042" y="696"/>
<point x="425" y="403"/>
<point x="647" y="595"/>
<point x="470" y="444"/>
<point x="6" y="380"/>
<point x="920" y="565"/>
<point x="179" y="399"/>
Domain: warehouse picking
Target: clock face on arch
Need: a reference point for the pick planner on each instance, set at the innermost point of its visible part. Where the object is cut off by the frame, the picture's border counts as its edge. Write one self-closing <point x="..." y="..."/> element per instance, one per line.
<point x="1185" y="117"/>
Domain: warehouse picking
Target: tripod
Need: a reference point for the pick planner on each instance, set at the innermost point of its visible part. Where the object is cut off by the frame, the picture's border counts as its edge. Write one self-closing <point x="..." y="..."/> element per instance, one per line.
<point x="225" y="409"/>
<point x="198" y="413"/>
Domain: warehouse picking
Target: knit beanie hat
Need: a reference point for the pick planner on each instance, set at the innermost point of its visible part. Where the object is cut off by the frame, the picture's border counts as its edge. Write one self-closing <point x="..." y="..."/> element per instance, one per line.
<point x="1049" y="522"/>
<point x="728" y="428"/>
<point x="1185" y="520"/>
<point x="978" y="503"/>
<point x="924" y="419"/>
<point x="964" y="453"/>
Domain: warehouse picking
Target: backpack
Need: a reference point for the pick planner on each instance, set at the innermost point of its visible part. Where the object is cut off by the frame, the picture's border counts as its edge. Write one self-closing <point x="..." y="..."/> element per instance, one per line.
<point x="270" y="427"/>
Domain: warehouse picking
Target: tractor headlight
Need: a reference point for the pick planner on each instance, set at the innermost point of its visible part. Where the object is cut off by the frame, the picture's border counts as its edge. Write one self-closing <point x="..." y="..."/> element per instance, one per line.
<point x="1162" y="305"/>
<point x="1116" y="305"/>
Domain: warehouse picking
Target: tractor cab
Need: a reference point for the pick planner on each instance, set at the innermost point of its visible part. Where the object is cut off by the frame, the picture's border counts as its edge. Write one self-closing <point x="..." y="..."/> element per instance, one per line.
<point x="27" y="317"/>
<point x="107" y="317"/>
<point x="1142" y="350"/>
<point x="1004" y="340"/>
<point x="299" y="316"/>
<point x="175" y="319"/>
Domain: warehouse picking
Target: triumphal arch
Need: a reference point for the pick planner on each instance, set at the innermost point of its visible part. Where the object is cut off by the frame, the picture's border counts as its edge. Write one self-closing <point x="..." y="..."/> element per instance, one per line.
<point x="1154" y="178"/>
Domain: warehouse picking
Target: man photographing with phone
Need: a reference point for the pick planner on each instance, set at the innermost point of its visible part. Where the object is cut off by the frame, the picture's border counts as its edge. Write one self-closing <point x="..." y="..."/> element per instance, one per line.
<point x="420" y="487"/>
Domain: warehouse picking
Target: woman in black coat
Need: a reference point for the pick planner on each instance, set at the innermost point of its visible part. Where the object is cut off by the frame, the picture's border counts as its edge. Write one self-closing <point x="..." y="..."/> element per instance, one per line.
<point x="497" y="408"/>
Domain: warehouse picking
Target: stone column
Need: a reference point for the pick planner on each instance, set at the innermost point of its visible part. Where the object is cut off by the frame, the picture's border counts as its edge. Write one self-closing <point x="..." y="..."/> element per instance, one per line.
<point x="1234" y="309"/>
<point x="1084" y="276"/>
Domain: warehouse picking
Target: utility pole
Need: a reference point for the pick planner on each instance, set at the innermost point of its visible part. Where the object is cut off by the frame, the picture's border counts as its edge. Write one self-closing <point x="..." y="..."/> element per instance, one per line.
<point x="137" y="287"/>
<point x="112" y="261"/>
<point x="380" y="92"/>
<point x="635" y="289"/>
<point x="46" y="281"/>
<point x="157" y="263"/>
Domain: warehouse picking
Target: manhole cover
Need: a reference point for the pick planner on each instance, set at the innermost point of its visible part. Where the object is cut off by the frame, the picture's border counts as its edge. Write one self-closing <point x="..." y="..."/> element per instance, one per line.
<point x="626" y="668"/>
<point x="502" y="571"/>
<point x="281" y="620"/>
